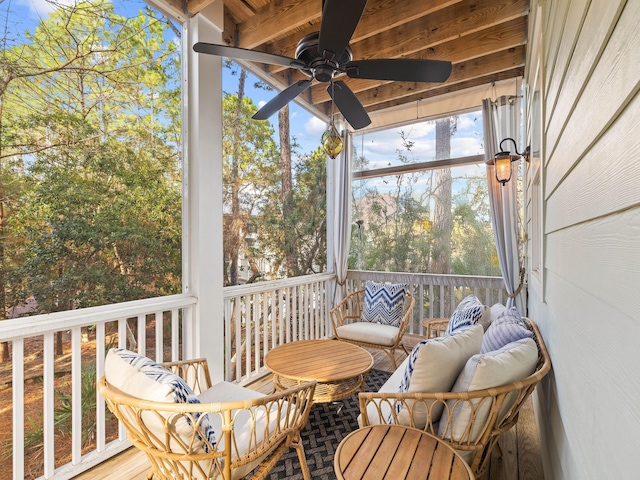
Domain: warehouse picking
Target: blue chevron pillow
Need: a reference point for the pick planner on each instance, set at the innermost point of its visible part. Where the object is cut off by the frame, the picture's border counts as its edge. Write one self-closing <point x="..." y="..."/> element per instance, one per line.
<point x="468" y="312"/>
<point x="383" y="303"/>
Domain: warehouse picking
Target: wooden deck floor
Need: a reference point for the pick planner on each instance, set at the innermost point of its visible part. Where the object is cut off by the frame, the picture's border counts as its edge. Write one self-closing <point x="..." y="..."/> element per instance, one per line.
<point x="519" y="459"/>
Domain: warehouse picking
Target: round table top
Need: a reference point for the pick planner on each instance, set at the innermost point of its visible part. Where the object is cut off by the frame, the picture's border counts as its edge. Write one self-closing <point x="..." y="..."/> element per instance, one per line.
<point x="320" y="360"/>
<point x="396" y="452"/>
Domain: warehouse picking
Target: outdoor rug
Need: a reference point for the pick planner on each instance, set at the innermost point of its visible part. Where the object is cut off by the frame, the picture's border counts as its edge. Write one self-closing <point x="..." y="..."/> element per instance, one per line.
<point x="328" y="424"/>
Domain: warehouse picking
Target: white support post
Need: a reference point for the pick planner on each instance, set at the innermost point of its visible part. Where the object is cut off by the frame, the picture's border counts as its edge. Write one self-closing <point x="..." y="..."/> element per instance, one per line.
<point x="202" y="228"/>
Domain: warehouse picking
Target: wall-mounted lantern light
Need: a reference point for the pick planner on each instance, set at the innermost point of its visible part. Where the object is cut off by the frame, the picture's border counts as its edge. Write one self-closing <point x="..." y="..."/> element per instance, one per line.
<point x="503" y="160"/>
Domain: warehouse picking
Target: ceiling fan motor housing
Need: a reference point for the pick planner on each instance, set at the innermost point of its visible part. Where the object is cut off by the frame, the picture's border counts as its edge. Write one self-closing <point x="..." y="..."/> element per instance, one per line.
<point x="316" y="65"/>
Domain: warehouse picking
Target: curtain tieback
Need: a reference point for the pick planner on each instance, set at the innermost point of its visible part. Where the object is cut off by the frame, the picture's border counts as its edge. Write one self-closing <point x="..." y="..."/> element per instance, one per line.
<point x="519" y="289"/>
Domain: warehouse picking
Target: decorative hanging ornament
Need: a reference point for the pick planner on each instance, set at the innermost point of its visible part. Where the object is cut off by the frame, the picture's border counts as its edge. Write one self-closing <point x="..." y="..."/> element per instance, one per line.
<point x="331" y="141"/>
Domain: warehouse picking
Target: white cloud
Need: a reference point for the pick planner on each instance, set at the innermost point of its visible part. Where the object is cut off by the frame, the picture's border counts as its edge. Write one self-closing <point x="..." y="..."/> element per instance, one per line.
<point x="43" y="8"/>
<point x="261" y="104"/>
<point x="314" y="127"/>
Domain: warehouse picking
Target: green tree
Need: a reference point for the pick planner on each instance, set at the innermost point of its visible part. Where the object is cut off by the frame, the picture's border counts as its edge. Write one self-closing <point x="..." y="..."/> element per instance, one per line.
<point x="90" y="109"/>
<point x="250" y="174"/>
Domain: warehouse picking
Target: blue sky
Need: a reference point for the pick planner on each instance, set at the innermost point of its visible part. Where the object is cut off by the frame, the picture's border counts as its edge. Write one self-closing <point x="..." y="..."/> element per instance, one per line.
<point x="379" y="147"/>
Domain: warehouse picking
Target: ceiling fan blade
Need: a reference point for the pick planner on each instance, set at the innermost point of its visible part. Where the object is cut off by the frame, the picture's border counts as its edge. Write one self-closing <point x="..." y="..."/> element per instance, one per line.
<point x="280" y="100"/>
<point x="400" y="69"/>
<point x="339" y="21"/>
<point x="349" y="105"/>
<point x="246" y="54"/>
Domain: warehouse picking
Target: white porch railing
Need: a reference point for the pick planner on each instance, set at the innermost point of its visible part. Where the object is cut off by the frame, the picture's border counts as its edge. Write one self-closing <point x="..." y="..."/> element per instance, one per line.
<point x="261" y="316"/>
<point x="257" y="317"/>
<point x="436" y="295"/>
<point x="129" y="325"/>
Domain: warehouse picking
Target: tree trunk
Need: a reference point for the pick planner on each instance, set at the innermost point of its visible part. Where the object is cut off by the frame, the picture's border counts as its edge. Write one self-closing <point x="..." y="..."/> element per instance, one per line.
<point x="236" y="227"/>
<point x="442" y="220"/>
<point x="290" y="257"/>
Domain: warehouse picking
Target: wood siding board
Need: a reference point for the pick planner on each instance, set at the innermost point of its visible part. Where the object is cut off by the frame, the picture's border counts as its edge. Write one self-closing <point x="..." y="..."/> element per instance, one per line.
<point x="612" y="85"/>
<point x="554" y="33"/>
<point x="568" y="38"/>
<point x="607" y="167"/>
<point x="602" y="258"/>
<point x="567" y="86"/>
<point x="594" y="441"/>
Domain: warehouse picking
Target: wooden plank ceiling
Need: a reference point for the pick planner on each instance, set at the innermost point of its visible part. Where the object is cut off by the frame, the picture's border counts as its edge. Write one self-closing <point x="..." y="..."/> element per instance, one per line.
<point x="484" y="39"/>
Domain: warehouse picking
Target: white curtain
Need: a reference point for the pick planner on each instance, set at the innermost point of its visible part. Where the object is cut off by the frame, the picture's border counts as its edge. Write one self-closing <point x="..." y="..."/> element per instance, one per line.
<point x="500" y="121"/>
<point x="342" y="216"/>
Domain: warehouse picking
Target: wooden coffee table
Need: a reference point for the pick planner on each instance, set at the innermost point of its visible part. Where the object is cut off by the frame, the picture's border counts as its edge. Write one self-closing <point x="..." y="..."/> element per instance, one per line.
<point x="396" y="452"/>
<point x="340" y="368"/>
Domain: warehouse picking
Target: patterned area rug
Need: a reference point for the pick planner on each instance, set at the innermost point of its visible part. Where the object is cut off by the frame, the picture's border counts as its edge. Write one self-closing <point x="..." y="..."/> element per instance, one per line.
<point x="328" y="424"/>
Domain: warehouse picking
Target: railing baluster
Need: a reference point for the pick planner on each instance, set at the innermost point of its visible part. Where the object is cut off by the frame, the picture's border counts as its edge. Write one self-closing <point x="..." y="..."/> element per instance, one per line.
<point x="76" y="395"/>
<point x="159" y="338"/>
<point x="48" y="404"/>
<point x="17" y="388"/>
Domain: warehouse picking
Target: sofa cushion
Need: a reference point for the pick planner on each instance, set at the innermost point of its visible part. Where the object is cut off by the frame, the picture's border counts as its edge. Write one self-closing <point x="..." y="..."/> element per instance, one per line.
<point x="375" y="333"/>
<point x="143" y="378"/>
<point x="383" y="303"/>
<point x="245" y="438"/>
<point x="468" y="312"/>
<point x="433" y="366"/>
<point x="514" y="361"/>
<point x="507" y="328"/>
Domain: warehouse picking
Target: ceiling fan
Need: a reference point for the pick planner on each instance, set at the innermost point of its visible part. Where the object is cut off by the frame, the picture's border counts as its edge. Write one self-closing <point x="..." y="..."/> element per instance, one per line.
<point x="326" y="54"/>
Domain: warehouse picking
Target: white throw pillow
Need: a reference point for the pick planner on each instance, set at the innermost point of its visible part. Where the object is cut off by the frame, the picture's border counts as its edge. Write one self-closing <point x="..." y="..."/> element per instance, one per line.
<point x="514" y="361"/>
<point x="433" y="366"/>
<point x="143" y="378"/>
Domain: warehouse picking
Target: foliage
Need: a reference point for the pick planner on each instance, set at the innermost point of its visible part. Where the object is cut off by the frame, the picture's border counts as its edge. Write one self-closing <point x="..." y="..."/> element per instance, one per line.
<point x="90" y="124"/>
<point x="63" y="414"/>
<point x="305" y="222"/>
<point x="394" y="223"/>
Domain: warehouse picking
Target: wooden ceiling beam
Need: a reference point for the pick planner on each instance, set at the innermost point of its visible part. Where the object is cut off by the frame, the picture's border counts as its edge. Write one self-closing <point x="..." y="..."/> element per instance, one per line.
<point x="455" y="87"/>
<point x="460" y="52"/>
<point x="369" y="25"/>
<point x="452" y="22"/>
<point x="464" y="71"/>
<point x="271" y="20"/>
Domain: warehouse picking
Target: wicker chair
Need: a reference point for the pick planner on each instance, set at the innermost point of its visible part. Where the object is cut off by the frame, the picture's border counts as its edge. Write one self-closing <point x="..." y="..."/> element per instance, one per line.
<point x="493" y="411"/>
<point x="371" y="335"/>
<point x="251" y="434"/>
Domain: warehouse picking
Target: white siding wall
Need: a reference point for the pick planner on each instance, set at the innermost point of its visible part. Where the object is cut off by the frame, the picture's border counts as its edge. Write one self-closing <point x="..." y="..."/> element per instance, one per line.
<point x="588" y="302"/>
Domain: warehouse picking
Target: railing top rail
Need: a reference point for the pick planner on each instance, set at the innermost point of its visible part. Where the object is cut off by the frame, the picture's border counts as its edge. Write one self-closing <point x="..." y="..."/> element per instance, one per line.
<point x="40" y="324"/>
<point x="236" y="290"/>
<point x="429" y="278"/>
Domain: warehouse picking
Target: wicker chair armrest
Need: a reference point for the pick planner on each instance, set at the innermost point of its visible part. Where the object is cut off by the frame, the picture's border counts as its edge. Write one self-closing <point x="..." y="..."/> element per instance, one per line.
<point x="406" y="316"/>
<point x="195" y="372"/>
<point x="435" y="328"/>
<point x="349" y="308"/>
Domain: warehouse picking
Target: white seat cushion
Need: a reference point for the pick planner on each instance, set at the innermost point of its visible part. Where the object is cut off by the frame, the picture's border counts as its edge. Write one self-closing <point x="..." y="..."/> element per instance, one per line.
<point x="368" y="332"/>
<point x="390" y="386"/>
<point x="231" y="392"/>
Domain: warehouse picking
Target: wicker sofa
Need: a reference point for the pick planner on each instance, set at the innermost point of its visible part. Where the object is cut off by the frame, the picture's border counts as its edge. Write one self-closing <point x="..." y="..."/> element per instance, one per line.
<point x="249" y="431"/>
<point x="489" y="411"/>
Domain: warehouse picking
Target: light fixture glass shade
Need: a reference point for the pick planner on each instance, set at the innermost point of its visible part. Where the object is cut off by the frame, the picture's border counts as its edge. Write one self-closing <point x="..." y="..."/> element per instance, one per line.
<point x="502" y="162"/>
<point x="331" y="141"/>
